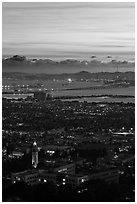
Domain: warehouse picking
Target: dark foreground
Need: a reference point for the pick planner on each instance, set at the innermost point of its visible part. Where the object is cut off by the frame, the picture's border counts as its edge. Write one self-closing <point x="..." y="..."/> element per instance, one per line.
<point x="91" y="137"/>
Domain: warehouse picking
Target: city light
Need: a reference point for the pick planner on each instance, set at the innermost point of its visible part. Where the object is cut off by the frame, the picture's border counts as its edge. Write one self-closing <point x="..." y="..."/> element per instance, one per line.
<point x="69" y="80"/>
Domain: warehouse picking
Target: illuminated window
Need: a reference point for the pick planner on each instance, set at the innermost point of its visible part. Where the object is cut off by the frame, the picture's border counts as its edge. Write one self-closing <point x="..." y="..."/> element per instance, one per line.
<point x="61" y="170"/>
<point x="82" y="180"/>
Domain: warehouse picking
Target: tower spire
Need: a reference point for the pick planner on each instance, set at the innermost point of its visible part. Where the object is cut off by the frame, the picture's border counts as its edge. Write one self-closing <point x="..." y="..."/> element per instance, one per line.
<point x="34" y="154"/>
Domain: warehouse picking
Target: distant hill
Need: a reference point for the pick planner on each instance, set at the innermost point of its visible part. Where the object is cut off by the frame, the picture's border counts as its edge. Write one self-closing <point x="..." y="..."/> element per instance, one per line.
<point x="83" y="75"/>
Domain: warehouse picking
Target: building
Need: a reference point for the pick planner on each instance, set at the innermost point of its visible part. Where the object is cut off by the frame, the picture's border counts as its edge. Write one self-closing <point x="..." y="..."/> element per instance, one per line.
<point x="76" y="180"/>
<point x="92" y="146"/>
<point x="34" y="155"/>
<point x="40" y="95"/>
<point x="109" y="176"/>
<point x="16" y="154"/>
<point x="63" y="179"/>
<point x="65" y="168"/>
<point x="31" y="177"/>
<point x="58" y="166"/>
<point x="49" y="96"/>
<point x="62" y="171"/>
<point x="51" y="149"/>
<point x="34" y="177"/>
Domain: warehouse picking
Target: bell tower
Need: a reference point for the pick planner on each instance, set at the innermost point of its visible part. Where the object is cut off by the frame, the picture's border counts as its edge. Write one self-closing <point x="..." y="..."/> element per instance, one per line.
<point x="34" y="155"/>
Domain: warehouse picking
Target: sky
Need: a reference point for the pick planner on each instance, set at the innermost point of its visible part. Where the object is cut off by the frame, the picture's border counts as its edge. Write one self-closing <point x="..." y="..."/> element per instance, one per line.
<point x="69" y="30"/>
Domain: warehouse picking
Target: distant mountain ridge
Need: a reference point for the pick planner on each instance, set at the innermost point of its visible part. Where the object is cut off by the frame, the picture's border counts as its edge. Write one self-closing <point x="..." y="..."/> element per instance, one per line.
<point x="75" y="76"/>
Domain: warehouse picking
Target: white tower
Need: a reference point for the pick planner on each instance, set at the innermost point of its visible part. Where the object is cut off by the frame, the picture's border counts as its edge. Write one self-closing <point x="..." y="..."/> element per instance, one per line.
<point x="34" y="155"/>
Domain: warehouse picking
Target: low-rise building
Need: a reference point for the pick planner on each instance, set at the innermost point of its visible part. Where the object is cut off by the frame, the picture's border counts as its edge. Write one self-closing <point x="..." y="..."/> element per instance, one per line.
<point x="33" y="177"/>
<point x="60" y="166"/>
<point x="109" y="176"/>
<point x="65" y="168"/>
<point x="16" y="154"/>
